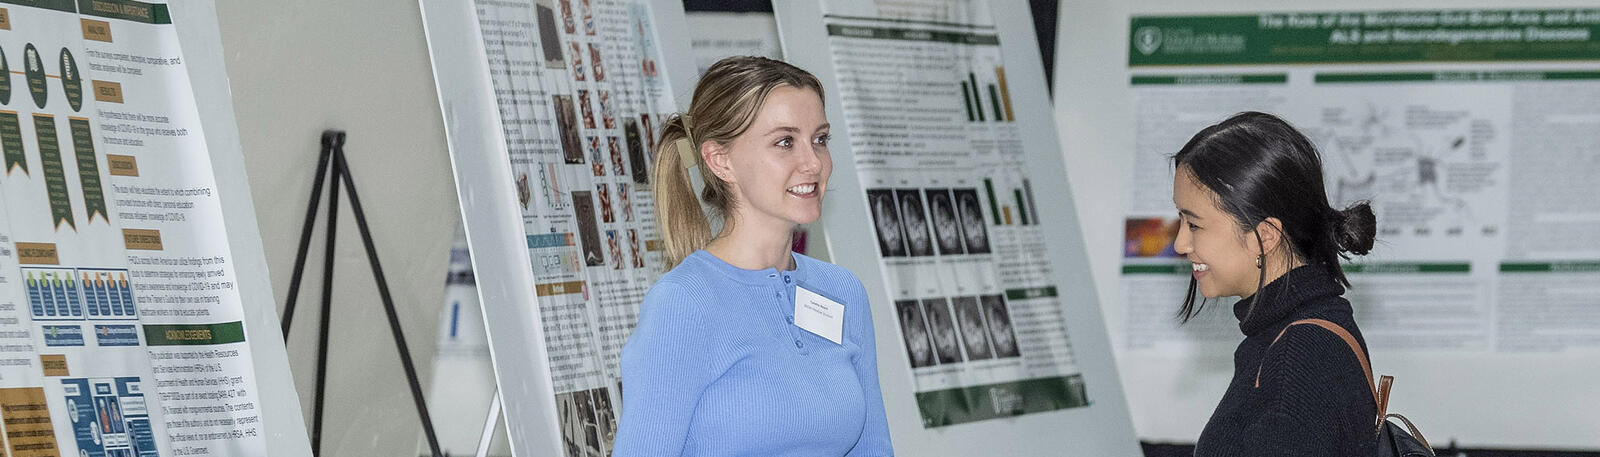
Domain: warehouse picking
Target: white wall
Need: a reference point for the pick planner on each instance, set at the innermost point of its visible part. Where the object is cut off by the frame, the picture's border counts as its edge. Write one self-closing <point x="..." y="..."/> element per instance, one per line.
<point x="296" y="68"/>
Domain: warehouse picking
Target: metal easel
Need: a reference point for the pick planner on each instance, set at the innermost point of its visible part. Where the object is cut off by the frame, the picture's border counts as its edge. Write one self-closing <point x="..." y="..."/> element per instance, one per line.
<point x="333" y="154"/>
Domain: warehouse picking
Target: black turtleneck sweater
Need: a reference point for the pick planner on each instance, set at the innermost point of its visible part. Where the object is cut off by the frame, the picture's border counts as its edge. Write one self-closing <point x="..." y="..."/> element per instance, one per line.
<point x="1314" y="399"/>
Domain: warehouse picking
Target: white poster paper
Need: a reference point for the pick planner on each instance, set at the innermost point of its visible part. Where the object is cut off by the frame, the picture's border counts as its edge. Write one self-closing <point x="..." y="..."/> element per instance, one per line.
<point x="579" y="90"/>
<point x="1471" y="131"/>
<point x="947" y="199"/>
<point x="125" y="319"/>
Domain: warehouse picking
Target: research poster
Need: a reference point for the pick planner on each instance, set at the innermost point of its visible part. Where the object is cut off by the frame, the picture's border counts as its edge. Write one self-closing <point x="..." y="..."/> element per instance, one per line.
<point x="581" y="94"/>
<point x="121" y="326"/>
<point x="1472" y="132"/>
<point x="941" y="162"/>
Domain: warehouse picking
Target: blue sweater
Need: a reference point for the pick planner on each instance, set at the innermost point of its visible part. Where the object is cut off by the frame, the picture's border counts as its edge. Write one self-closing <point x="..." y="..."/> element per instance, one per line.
<point x="716" y="367"/>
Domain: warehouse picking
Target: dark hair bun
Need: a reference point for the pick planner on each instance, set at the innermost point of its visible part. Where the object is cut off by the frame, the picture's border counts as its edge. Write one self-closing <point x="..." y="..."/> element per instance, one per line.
<point x="1355" y="228"/>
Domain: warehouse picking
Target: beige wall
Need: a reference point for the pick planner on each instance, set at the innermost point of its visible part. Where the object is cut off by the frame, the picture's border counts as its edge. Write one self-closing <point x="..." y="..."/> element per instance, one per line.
<point x="296" y="68"/>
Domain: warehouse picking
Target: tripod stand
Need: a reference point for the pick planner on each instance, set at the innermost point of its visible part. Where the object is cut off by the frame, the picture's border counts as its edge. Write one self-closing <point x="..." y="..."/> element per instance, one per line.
<point x="333" y="154"/>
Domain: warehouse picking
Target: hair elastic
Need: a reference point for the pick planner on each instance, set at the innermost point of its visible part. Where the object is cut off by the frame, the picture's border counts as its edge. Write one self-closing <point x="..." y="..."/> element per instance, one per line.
<point x="687" y="153"/>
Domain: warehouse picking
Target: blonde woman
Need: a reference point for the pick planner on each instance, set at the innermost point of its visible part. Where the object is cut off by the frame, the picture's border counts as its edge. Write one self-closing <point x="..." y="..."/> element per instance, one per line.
<point x="745" y="347"/>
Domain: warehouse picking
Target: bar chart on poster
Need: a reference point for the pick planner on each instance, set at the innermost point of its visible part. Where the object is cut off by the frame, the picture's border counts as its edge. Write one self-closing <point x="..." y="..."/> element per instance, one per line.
<point x="993" y="330"/>
<point x="122" y="321"/>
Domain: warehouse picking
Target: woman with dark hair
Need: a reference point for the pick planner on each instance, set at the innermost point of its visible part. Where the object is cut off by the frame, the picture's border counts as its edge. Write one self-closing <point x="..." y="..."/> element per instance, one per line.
<point x="1255" y="223"/>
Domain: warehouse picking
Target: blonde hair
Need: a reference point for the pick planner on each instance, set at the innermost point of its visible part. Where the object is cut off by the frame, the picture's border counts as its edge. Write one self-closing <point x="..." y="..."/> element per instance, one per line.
<point x="725" y="103"/>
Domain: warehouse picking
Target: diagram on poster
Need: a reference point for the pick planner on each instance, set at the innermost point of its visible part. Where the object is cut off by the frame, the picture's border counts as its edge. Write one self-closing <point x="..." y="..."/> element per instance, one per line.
<point x="1467" y="170"/>
<point x="1431" y="166"/>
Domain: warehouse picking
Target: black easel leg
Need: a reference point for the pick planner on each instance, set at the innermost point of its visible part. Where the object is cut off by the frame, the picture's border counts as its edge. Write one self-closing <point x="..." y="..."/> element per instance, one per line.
<point x="327" y="308"/>
<point x="330" y="139"/>
<point x="340" y="167"/>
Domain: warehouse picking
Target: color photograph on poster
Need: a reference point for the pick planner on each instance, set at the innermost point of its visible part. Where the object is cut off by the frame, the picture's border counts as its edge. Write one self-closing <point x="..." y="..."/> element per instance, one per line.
<point x="594" y="246"/>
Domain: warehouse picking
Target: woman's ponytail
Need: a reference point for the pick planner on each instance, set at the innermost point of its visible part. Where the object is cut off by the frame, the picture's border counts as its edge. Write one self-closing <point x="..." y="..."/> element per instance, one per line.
<point x="1355" y="228"/>
<point x="683" y="224"/>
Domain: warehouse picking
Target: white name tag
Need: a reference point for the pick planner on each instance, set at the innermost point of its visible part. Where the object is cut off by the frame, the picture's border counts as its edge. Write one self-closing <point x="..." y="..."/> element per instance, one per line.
<point x="817" y="314"/>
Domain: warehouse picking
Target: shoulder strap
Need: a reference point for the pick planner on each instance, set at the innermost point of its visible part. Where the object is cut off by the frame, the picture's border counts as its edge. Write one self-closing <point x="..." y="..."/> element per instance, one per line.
<point x="1355" y="347"/>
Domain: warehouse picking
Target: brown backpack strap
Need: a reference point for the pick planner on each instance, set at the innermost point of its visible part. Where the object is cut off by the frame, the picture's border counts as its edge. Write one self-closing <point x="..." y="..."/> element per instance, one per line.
<point x="1355" y="347"/>
<point x="1384" y="383"/>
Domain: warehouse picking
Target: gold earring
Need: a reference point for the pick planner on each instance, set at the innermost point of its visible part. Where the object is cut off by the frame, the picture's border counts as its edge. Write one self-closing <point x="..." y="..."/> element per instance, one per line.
<point x="1258" y="261"/>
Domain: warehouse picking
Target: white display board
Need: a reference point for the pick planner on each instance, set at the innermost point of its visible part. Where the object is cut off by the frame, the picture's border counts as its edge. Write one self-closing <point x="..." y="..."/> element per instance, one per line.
<point x="1472" y="131"/>
<point x="139" y="311"/>
<point x="284" y="430"/>
<point x="551" y="109"/>
<point x="990" y="338"/>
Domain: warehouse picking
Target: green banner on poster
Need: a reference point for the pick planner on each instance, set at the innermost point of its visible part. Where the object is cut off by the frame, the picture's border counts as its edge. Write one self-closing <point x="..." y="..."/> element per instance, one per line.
<point x="971" y="404"/>
<point x="1158" y="269"/>
<point x="194" y="334"/>
<point x="1032" y="292"/>
<point x="56" y="5"/>
<point x="931" y="36"/>
<point x="1551" y="267"/>
<point x="94" y="199"/>
<point x="11" y="140"/>
<point x="55" y="177"/>
<point x="5" y="77"/>
<point x="1466" y="35"/>
<point x="1407" y="267"/>
<point x="127" y="10"/>
<point x="1209" y="79"/>
<point x="1456" y="76"/>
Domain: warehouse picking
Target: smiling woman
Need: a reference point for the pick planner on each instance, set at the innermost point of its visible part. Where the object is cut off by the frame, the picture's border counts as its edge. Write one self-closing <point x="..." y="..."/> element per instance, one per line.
<point x="1255" y="223"/>
<point x="745" y="347"/>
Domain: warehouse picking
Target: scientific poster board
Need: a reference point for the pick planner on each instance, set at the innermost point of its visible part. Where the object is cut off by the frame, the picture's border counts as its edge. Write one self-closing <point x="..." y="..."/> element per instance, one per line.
<point x="132" y="312"/>
<point x="1473" y="132"/>
<point x="990" y="336"/>
<point x="551" y="108"/>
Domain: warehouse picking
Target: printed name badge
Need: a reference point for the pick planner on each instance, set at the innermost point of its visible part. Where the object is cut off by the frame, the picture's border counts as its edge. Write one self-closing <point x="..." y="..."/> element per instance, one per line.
<point x="817" y="314"/>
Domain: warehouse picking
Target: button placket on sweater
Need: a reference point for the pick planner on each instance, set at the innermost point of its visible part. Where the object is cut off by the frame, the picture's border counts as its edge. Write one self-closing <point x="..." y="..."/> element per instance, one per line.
<point x="784" y="294"/>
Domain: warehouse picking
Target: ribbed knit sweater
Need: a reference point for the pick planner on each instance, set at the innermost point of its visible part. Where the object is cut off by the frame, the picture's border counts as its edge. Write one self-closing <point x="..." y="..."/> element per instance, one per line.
<point x="1314" y="399"/>
<point x="717" y="367"/>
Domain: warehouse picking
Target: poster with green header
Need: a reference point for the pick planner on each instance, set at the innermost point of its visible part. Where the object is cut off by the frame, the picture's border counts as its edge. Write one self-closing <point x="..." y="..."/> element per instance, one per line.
<point x="1471" y="131"/>
<point x="1366" y="37"/>
<point x="121" y="323"/>
<point x="948" y="199"/>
